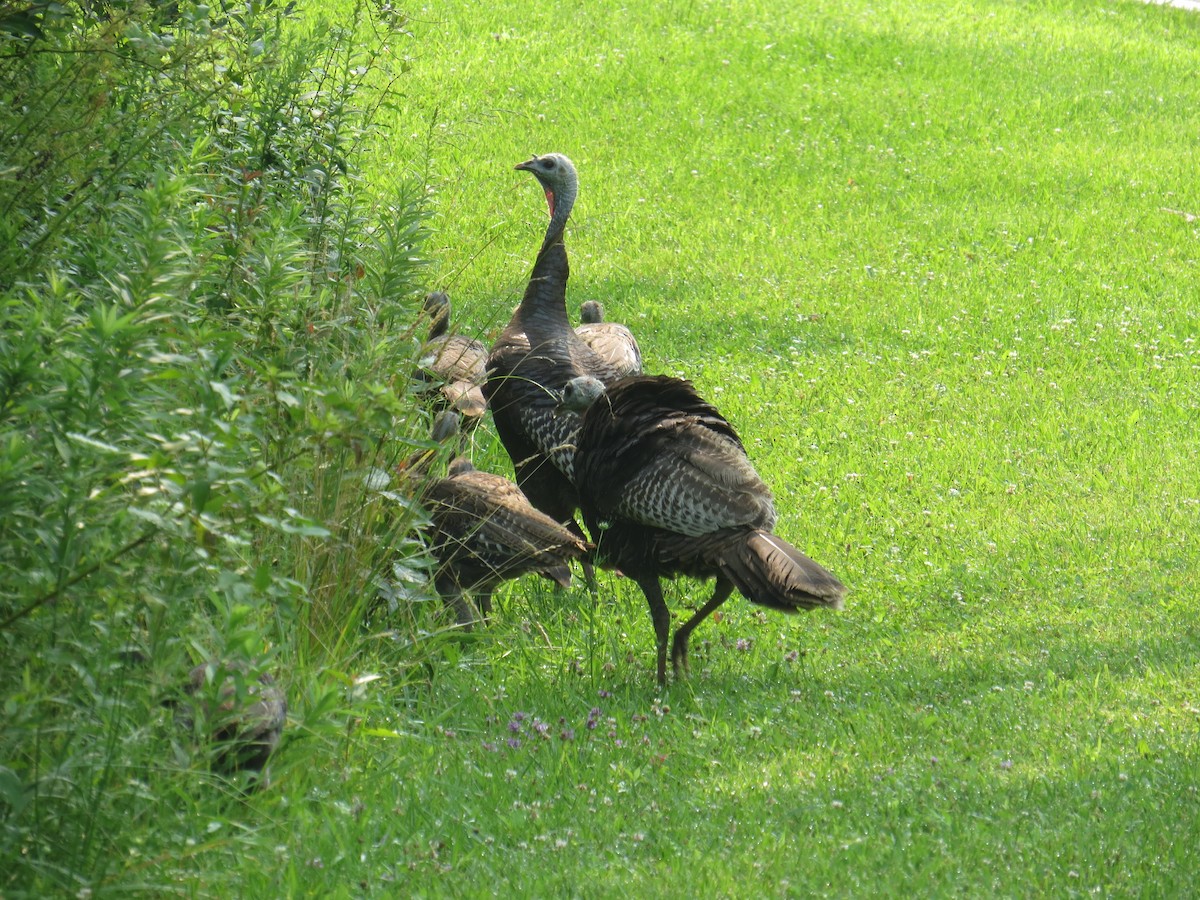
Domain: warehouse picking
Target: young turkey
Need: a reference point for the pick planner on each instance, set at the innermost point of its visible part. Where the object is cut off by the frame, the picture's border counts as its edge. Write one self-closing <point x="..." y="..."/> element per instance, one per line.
<point x="611" y="340"/>
<point x="485" y="532"/>
<point x="453" y="365"/>
<point x="239" y="713"/>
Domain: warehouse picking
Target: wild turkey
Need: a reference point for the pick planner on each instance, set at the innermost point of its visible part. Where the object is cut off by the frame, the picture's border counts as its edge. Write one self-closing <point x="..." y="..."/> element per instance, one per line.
<point x="453" y="363"/>
<point x="241" y="714"/>
<point x="536" y="355"/>
<point x="485" y="532"/>
<point x="666" y="489"/>
<point x="610" y="340"/>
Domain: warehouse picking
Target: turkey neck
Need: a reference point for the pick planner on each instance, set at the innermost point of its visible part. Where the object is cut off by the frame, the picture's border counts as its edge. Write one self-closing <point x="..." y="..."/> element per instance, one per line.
<point x="543" y="310"/>
<point x="564" y="201"/>
<point x="439" y="325"/>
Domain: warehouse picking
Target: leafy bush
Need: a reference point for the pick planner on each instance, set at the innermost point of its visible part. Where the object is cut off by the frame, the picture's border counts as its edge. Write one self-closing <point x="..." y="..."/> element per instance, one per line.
<point x="203" y="354"/>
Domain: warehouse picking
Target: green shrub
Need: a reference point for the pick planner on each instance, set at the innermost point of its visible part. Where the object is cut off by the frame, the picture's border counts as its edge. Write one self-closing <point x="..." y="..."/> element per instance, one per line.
<point x="203" y="350"/>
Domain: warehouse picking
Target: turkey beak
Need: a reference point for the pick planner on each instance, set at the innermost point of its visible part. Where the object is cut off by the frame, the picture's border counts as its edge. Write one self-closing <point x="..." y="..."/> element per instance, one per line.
<point x="527" y="165"/>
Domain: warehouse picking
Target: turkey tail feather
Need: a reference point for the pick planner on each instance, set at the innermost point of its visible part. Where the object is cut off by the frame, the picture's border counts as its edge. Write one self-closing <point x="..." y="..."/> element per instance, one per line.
<point x="771" y="572"/>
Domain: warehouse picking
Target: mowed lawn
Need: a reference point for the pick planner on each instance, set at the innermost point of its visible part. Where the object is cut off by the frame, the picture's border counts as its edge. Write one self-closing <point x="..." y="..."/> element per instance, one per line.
<point x="937" y="262"/>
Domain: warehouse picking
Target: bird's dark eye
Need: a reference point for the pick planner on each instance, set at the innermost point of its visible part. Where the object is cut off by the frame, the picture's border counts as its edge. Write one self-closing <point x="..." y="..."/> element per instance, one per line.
<point x="547" y="163"/>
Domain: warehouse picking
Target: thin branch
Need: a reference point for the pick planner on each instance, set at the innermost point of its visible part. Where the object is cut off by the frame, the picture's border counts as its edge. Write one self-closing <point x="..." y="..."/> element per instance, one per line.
<point x="54" y="594"/>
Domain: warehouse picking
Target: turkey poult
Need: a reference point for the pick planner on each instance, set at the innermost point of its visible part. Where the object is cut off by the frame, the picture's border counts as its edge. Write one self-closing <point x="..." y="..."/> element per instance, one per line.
<point x="453" y="363"/>
<point x="536" y="355"/>
<point x="611" y="340"/>
<point x="666" y="489"/>
<point x="485" y="532"/>
<point x="240" y="714"/>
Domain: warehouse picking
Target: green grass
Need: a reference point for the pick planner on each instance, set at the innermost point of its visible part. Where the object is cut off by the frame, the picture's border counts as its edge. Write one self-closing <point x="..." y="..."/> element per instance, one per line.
<point x="919" y="255"/>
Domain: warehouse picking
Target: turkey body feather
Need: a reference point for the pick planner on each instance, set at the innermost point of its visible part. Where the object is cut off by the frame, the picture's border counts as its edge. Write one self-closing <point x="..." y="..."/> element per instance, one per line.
<point x="666" y="458"/>
<point x="454" y="363"/>
<point x="611" y="340"/>
<point x="666" y="489"/>
<point x="488" y="532"/>
<point x="485" y="532"/>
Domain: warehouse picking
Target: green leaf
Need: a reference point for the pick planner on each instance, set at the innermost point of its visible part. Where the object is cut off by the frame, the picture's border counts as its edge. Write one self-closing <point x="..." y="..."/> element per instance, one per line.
<point x="13" y="792"/>
<point x="222" y="390"/>
<point x="262" y="577"/>
<point x="23" y="24"/>
<point x="87" y="441"/>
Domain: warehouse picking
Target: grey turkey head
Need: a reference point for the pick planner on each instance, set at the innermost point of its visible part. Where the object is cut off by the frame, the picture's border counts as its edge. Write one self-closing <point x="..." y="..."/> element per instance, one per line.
<point x="591" y="313"/>
<point x="581" y="392"/>
<point x="558" y="179"/>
